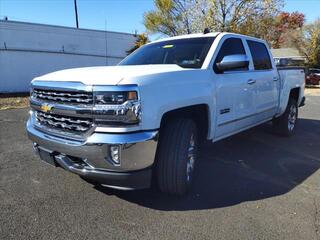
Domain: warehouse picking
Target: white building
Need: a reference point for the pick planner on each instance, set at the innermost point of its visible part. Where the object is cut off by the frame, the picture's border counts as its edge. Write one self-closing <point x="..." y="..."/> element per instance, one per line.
<point x="28" y="50"/>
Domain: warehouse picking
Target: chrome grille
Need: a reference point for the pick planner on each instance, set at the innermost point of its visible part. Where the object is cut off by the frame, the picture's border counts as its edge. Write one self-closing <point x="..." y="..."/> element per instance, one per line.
<point x="63" y="96"/>
<point x="80" y="125"/>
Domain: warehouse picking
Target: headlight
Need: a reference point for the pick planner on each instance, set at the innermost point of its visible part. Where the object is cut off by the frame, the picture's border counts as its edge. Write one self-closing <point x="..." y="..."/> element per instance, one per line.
<point x="114" y="97"/>
<point x="116" y="108"/>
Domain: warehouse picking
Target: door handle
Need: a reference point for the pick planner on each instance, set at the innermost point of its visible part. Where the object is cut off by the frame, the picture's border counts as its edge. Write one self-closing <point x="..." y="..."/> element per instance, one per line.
<point x="251" y="81"/>
<point x="275" y="79"/>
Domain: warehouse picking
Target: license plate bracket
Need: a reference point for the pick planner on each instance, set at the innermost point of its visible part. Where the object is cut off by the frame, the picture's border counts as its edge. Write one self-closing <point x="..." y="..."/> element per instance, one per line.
<point x="47" y="156"/>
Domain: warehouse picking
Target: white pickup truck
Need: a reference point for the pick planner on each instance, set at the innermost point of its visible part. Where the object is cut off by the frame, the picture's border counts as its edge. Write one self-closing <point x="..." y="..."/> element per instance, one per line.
<point x="122" y="126"/>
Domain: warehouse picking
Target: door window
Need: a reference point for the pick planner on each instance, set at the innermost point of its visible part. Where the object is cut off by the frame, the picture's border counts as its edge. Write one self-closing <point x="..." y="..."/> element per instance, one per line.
<point x="231" y="46"/>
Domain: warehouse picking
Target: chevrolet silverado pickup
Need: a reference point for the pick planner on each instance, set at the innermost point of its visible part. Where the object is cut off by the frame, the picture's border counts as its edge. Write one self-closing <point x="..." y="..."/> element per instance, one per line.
<point x="144" y="119"/>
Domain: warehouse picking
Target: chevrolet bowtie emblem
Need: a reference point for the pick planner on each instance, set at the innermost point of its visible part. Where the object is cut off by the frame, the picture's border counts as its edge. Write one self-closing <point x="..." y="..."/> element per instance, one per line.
<point x="46" y="108"/>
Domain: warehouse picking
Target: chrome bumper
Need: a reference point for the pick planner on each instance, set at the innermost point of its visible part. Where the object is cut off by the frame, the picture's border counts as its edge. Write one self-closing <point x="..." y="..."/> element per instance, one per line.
<point x="137" y="153"/>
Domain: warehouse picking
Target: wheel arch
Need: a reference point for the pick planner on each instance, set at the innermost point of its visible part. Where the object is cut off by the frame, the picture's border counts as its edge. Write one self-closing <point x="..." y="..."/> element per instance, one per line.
<point x="200" y="113"/>
<point x="295" y="94"/>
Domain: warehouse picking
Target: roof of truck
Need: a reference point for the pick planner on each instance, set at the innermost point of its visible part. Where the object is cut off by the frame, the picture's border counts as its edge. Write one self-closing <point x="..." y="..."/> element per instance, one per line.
<point x="194" y="35"/>
<point x="199" y="35"/>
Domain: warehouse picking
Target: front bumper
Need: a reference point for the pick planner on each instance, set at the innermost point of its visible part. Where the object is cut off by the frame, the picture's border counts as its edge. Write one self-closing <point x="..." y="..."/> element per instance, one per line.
<point x="90" y="158"/>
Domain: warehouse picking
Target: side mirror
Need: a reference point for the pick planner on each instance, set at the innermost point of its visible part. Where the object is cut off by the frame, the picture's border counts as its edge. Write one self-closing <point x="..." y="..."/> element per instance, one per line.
<point x="233" y="62"/>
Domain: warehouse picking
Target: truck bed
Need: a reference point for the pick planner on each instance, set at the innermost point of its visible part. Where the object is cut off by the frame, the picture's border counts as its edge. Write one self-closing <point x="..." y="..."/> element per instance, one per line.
<point x="290" y="77"/>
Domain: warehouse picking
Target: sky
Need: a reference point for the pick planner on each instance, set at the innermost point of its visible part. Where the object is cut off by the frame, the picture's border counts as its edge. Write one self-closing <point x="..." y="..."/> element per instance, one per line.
<point x="112" y="15"/>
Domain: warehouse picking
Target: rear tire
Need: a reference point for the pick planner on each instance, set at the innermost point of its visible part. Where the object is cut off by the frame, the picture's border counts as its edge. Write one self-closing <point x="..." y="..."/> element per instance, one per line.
<point x="286" y="123"/>
<point x="176" y="156"/>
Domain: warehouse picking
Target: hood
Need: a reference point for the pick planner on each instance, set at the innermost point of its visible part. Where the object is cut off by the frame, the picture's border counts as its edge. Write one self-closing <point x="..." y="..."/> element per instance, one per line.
<point x="107" y="75"/>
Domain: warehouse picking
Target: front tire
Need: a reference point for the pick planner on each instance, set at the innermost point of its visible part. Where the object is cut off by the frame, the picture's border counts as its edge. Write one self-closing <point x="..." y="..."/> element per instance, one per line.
<point x="286" y="123"/>
<point x="176" y="156"/>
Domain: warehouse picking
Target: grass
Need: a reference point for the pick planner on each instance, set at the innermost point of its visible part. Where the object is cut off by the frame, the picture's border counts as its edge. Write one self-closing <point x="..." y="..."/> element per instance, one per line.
<point x="9" y="102"/>
<point x="312" y="92"/>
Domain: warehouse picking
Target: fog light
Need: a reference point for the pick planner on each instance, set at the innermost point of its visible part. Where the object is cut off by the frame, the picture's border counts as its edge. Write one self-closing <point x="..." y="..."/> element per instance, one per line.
<point x="115" y="152"/>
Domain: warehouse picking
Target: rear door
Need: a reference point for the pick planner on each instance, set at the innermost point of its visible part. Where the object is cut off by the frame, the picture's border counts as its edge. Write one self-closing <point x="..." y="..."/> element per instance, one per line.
<point x="267" y="81"/>
<point x="234" y="91"/>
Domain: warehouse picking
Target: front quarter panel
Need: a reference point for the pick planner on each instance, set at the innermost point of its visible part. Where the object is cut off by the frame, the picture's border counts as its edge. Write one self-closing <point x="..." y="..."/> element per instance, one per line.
<point x="163" y="92"/>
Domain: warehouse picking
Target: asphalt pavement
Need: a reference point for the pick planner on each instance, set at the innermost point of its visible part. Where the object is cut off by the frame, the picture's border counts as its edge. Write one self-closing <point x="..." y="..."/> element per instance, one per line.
<point x="254" y="185"/>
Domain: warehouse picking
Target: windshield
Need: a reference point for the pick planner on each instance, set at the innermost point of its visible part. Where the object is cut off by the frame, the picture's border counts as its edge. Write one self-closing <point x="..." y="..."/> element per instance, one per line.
<point x="187" y="53"/>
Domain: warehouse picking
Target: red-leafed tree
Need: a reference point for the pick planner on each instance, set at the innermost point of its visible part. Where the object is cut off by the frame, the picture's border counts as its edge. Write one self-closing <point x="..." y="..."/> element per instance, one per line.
<point x="286" y="27"/>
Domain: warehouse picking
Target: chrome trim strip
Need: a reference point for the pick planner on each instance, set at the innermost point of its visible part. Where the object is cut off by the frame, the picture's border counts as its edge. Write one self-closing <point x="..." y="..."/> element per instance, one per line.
<point x="114" y="139"/>
<point x="248" y="116"/>
<point x="61" y="86"/>
<point x="63" y="96"/>
<point x="64" y="122"/>
<point x="59" y="133"/>
<point x="118" y="188"/>
<point x="240" y="130"/>
<point x="62" y="109"/>
<point x="118" y="129"/>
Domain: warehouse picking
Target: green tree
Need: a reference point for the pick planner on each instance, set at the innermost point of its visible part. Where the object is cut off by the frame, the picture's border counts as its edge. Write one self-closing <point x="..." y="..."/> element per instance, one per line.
<point x="234" y="15"/>
<point x="175" y="17"/>
<point x="169" y="18"/>
<point x="141" y="40"/>
<point x="313" y="42"/>
<point x="258" y="18"/>
<point x="308" y="42"/>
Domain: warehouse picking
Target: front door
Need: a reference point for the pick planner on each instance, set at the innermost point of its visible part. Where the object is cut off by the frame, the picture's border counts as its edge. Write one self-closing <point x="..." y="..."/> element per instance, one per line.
<point x="235" y="92"/>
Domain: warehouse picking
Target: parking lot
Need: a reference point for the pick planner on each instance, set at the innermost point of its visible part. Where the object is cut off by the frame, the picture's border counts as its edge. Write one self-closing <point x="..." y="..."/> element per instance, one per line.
<point x="251" y="186"/>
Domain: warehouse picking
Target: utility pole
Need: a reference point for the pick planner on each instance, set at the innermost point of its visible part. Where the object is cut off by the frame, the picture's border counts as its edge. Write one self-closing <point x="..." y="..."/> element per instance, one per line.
<point x="76" y="11"/>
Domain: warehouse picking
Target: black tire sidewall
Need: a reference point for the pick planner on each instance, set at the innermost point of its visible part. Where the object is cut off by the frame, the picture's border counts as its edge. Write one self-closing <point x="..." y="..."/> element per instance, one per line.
<point x="281" y="124"/>
<point x="172" y="156"/>
<point x="292" y="102"/>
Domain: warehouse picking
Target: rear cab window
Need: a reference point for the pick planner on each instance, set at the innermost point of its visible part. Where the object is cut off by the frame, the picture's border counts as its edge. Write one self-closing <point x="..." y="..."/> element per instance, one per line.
<point x="260" y="55"/>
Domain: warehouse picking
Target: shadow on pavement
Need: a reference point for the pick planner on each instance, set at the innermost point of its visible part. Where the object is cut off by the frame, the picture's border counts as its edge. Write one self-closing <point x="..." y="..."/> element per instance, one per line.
<point x="249" y="166"/>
